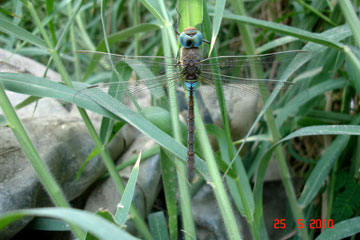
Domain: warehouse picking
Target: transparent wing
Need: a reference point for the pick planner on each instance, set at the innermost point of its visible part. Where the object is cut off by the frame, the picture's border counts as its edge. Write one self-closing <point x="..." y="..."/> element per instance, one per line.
<point x="242" y="66"/>
<point x="147" y="65"/>
<point x="235" y="74"/>
<point x="250" y="84"/>
<point x="153" y="76"/>
<point x="136" y="94"/>
<point x="238" y="99"/>
<point x="241" y="89"/>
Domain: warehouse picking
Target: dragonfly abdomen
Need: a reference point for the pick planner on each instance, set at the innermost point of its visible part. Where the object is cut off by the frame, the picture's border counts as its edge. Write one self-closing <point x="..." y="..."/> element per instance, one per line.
<point x="191" y="130"/>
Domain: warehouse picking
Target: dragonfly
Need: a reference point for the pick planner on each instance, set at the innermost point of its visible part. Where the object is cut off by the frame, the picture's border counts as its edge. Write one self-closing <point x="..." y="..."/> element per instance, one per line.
<point x="191" y="73"/>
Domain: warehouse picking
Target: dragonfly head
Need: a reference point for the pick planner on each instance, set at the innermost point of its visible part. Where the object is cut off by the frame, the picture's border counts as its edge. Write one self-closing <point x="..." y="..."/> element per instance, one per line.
<point x="191" y="37"/>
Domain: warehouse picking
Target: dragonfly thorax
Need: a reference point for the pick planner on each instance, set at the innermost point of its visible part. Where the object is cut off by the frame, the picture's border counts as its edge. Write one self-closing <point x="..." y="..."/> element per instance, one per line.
<point x="190" y="62"/>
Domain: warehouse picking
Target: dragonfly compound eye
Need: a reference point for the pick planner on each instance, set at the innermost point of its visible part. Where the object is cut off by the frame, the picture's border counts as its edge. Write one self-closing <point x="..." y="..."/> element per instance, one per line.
<point x="197" y="39"/>
<point x="189" y="41"/>
<point x="186" y="40"/>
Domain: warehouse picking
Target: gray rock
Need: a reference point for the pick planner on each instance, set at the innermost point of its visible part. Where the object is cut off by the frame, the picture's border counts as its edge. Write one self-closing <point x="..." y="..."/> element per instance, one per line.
<point x="63" y="144"/>
<point x="15" y="63"/>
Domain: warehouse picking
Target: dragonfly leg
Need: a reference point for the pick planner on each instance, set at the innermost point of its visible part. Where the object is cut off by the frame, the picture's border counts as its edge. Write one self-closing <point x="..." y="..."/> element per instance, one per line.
<point x="177" y="22"/>
<point x="206" y="41"/>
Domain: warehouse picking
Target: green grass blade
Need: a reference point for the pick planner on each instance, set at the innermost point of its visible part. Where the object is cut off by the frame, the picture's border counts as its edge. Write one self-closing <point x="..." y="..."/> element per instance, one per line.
<point x="144" y="156"/>
<point x="105" y="214"/>
<point x="353" y="66"/>
<point x="218" y="15"/>
<point x="158" y="226"/>
<point x="275" y="43"/>
<point x="286" y="30"/>
<point x="218" y="187"/>
<point x="93" y="153"/>
<point x="48" y="224"/>
<point x="155" y="9"/>
<point x="324" y="130"/>
<point x="6" y="12"/>
<point x="316" y="12"/>
<point x="351" y="18"/>
<point x="122" y="210"/>
<point x="341" y="230"/>
<point x="49" y="9"/>
<point x="241" y="177"/>
<point x="20" y="33"/>
<point x="170" y="188"/>
<point x="98" y="226"/>
<point x="27" y="102"/>
<point x="191" y="14"/>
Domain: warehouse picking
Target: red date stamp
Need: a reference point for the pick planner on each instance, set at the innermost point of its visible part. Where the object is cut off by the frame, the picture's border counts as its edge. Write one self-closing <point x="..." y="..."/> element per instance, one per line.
<point x="313" y="223"/>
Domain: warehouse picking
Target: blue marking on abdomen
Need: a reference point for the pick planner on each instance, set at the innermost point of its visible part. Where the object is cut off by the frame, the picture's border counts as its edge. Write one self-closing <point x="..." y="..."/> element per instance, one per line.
<point x="192" y="84"/>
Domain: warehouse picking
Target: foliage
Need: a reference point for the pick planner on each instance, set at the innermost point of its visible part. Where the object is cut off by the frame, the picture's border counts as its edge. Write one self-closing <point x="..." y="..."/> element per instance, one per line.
<point x="347" y="192"/>
<point x="311" y="129"/>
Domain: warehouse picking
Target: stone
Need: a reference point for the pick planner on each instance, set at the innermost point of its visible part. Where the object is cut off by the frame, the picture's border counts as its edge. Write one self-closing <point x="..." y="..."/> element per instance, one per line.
<point x="63" y="144"/>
